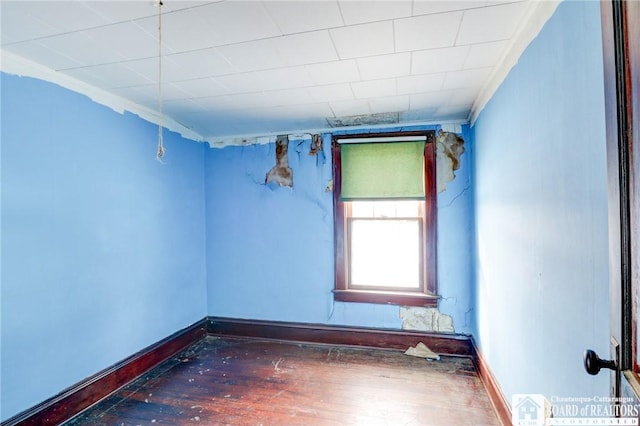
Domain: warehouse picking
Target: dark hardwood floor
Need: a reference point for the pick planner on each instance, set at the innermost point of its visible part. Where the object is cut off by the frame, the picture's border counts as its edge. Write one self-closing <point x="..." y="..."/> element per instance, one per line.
<point x="237" y="381"/>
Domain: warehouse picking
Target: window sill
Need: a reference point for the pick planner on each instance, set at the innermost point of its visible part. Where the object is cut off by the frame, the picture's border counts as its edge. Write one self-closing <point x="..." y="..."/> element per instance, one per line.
<point x="386" y="297"/>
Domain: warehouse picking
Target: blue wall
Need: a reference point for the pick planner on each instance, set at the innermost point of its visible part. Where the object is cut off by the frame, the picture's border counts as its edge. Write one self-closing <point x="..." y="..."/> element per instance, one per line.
<point x="270" y="249"/>
<point x="541" y="213"/>
<point x="102" y="246"/>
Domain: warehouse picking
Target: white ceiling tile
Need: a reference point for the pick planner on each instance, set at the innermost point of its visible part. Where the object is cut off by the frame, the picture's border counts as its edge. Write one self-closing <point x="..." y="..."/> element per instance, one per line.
<point x="197" y="64"/>
<point x="252" y="55"/>
<point x="23" y="25"/>
<point x="87" y="75"/>
<point x="170" y="91"/>
<point x="119" y="36"/>
<point x="119" y="11"/>
<point x="460" y="112"/>
<point x="438" y="60"/>
<point x="455" y="97"/>
<point x="364" y="40"/>
<point x="420" y="83"/>
<point x="306" y="48"/>
<point x="258" y="66"/>
<point x="83" y="49"/>
<point x="37" y="52"/>
<point x="466" y="78"/>
<point x="428" y="100"/>
<point x="148" y="94"/>
<point x="426" y="7"/>
<point x="389" y="104"/>
<point x="220" y="123"/>
<point x="427" y="32"/>
<point x="333" y="72"/>
<point x="181" y="106"/>
<point x="296" y="96"/>
<point x="122" y="76"/>
<point x="359" y="12"/>
<point x="330" y="93"/>
<point x="297" y="124"/>
<point x="490" y="23"/>
<point x="201" y="87"/>
<point x="374" y="88"/>
<point x="256" y="81"/>
<point x="110" y="76"/>
<point x="237" y="101"/>
<point x="61" y="16"/>
<point x="465" y="96"/>
<point x="302" y="16"/>
<point x="485" y="54"/>
<point x="215" y="24"/>
<point x="384" y="66"/>
<point x="425" y="114"/>
<point x="138" y="95"/>
<point x="350" y="107"/>
<point x="316" y="110"/>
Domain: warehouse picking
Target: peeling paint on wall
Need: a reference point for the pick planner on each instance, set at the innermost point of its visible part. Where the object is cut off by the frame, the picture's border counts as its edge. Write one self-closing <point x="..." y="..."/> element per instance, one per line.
<point x="329" y="187"/>
<point x="425" y="319"/>
<point x="364" y="120"/>
<point x="449" y="148"/>
<point x="281" y="173"/>
<point x="316" y="144"/>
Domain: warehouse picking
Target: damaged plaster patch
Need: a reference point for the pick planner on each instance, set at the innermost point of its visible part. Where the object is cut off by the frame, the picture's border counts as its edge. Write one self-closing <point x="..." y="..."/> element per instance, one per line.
<point x="362" y="120"/>
<point x="281" y="173"/>
<point x="425" y="319"/>
<point x="449" y="148"/>
<point x="316" y="145"/>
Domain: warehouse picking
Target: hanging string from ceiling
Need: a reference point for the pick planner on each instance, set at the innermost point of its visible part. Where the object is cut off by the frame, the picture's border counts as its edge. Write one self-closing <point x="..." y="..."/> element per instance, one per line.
<point x="160" y="152"/>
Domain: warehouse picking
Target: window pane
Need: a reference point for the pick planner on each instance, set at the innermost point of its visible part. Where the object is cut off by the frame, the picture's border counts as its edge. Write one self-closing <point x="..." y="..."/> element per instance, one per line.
<point x="385" y="209"/>
<point x="362" y="208"/>
<point x="385" y="253"/>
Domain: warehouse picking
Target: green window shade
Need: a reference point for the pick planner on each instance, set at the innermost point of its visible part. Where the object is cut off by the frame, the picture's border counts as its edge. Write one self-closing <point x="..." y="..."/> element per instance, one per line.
<point x="382" y="170"/>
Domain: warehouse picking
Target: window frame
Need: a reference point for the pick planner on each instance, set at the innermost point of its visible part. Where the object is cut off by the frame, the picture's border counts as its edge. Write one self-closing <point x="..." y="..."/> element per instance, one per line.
<point x="427" y="294"/>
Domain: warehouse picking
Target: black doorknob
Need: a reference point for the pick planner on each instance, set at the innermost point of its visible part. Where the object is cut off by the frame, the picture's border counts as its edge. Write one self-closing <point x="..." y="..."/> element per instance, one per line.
<point x="593" y="363"/>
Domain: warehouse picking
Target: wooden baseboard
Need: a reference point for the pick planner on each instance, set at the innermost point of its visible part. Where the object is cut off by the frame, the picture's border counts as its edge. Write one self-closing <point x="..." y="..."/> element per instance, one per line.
<point x="445" y="344"/>
<point x="73" y="400"/>
<point x="80" y="396"/>
<point x="499" y="402"/>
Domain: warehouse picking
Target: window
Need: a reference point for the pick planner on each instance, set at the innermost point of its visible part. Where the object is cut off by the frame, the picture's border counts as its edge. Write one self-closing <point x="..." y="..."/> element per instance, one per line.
<point x="385" y="218"/>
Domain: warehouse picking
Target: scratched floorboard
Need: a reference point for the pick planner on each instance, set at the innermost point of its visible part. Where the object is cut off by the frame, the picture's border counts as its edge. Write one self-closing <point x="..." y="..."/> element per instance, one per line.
<point x="230" y="381"/>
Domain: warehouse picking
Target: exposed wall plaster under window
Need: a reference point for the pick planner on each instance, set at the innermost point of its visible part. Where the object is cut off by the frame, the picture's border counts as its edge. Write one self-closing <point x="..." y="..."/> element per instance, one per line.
<point x="425" y="319"/>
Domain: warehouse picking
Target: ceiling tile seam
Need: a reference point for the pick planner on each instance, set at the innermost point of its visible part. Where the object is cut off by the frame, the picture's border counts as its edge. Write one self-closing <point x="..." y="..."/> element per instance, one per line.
<point x="83" y="30"/>
<point x="341" y="18"/>
<point x="64" y="55"/>
<point x="335" y="47"/>
<point x="444" y="12"/>
<point x="232" y="93"/>
<point x="455" y="41"/>
<point x="275" y="22"/>
<point x="393" y="36"/>
<point x="169" y="56"/>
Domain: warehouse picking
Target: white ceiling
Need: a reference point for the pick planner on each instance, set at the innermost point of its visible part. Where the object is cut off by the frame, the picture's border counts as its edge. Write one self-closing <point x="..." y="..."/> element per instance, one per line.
<point x="246" y="67"/>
